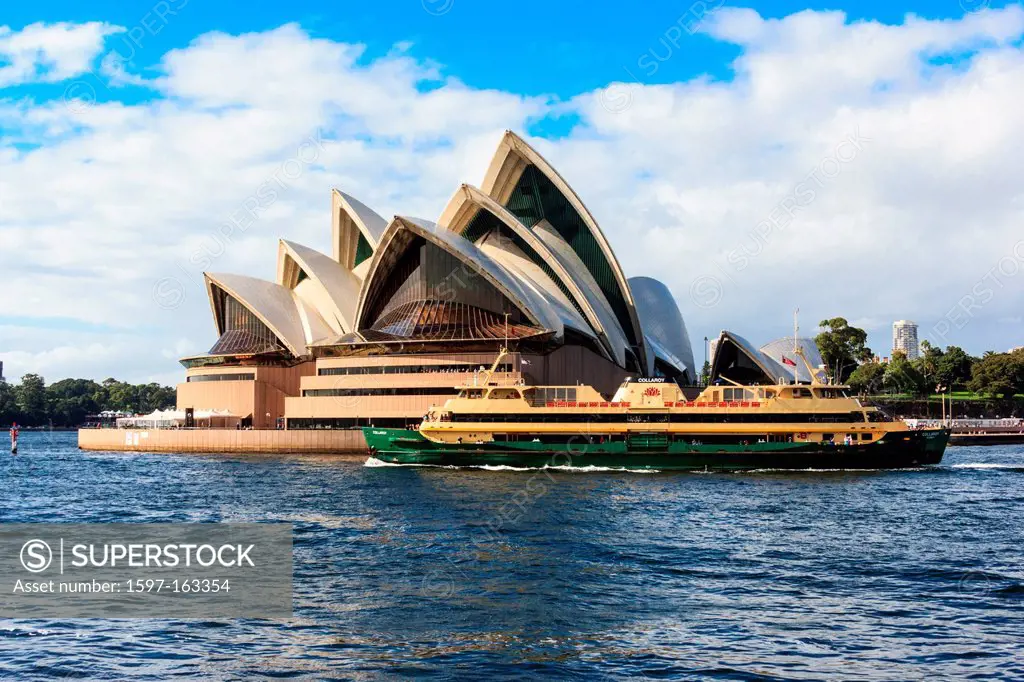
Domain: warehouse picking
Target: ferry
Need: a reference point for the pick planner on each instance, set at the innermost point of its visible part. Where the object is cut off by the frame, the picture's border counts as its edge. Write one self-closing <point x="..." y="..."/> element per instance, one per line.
<point x="649" y="424"/>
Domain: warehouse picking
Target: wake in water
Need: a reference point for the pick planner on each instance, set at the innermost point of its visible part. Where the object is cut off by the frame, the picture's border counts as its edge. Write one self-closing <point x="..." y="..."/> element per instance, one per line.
<point x="374" y="462"/>
<point x="998" y="466"/>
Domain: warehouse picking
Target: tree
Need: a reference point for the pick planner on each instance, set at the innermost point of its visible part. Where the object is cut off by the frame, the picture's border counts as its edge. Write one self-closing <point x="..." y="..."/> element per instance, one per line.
<point x="705" y="374"/>
<point x="927" y="364"/>
<point x="122" y="396"/>
<point x="70" y="401"/>
<point x="30" y="397"/>
<point x="842" y="347"/>
<point x="868" y="378"/>
<point x="954" y="368"/>
<point x="8" y="406"/>
<point x="153" y="396"/>
<point x="902" y="377"/>
<point x="999" y="375"/>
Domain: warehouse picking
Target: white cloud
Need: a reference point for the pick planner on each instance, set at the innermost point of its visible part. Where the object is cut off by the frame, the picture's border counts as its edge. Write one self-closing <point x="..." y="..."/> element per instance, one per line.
<point x="50" y="52"/>
<point x="906" y="228"/>
<point x="108" y="200"/>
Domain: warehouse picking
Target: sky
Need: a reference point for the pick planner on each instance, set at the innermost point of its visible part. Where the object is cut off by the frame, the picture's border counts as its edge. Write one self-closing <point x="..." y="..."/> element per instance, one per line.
<point x="860" y="160"/>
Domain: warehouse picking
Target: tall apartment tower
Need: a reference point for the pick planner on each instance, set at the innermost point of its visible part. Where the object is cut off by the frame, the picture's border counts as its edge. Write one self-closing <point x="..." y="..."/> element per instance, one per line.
<point x="904" y="338"/>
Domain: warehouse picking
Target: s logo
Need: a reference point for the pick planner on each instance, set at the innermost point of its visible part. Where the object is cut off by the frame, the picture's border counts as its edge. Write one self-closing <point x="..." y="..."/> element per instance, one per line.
<point x="36" y="556"/>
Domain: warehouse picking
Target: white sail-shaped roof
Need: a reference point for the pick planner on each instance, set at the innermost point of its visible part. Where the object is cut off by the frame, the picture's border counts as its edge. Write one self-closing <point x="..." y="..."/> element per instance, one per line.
<point x="520" y="179"/>
<point x="531" y="276"/>
<point x="663" y="324"/>
<point x="658" y="352"/>
<point x="747" y="357"/>
<point x="356" y="230"/>
<point x="326" y="286"/>
<point x="314" y="327"/>
<point x="399" y="234"/>
<point x="522" y="251"/>
<point x="475" y="216"/>
<point x="563" y="253"/>
<point x="293" y="322"/>
<point x="783" y="348"/>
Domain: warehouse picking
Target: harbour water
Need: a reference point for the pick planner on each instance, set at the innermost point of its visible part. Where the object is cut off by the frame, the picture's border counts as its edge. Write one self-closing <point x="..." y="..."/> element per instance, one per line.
<point x="469" y="574"/>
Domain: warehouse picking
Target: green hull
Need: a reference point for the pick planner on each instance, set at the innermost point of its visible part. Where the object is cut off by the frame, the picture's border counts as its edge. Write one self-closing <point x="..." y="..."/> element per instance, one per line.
<point x="900" y="450"/>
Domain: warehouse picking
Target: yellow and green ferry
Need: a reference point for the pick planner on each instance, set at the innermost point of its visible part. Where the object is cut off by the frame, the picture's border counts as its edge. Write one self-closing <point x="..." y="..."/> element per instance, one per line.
<point x="650" y="424"/>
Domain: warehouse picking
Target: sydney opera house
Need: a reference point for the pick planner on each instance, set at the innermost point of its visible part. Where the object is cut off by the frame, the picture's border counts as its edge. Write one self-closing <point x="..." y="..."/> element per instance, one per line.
<point x="403" y="310"/>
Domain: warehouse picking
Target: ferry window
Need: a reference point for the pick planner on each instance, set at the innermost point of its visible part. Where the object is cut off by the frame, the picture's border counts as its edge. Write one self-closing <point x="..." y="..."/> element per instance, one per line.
<point x="801" y="393"/>
<point x="865" y="436"/>
<point x="500" y="394"/>
<point x="769" y="394"/>
<point x="735" y="394"/>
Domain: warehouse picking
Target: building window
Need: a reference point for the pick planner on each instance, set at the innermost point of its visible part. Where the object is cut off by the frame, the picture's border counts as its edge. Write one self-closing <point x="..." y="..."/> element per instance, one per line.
<point x="363" y="250"/>
<point x="344" y="392"/>
<point x="350" y="423"/>
<point x="405" y="369"/>
<point x="221" y="377"/>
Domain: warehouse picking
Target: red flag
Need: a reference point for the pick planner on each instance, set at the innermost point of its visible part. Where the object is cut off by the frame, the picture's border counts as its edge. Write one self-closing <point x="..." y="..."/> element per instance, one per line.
<point x="787" y="361"/>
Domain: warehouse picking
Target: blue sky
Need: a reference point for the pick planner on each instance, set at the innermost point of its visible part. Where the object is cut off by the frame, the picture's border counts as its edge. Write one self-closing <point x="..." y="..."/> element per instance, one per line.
<point x="563" y="48"/>
<point x="682" y="142"/>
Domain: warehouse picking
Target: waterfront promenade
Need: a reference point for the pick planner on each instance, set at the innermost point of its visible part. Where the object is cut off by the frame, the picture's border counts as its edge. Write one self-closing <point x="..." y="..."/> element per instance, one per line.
<point x="322" y="441"/>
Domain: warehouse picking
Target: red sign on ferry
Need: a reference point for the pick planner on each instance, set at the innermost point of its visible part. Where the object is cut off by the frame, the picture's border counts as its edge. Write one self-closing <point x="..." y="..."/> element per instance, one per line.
<point x="652" y="391"/>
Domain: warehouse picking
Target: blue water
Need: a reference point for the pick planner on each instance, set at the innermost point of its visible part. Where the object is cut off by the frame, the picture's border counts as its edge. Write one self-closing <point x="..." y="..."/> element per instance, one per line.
<point x="468" y="574"/>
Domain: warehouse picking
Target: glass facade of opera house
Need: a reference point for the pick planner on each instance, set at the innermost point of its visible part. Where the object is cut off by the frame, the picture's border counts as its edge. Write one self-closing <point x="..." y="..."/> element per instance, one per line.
<point x="404" y="310"/>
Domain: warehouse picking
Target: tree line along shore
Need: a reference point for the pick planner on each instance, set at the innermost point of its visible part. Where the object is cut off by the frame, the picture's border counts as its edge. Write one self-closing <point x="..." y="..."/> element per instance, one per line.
<point x="67" y="403"/>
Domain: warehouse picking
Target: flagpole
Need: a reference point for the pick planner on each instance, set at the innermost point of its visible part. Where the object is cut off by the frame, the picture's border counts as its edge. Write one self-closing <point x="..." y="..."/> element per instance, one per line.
<point x="796" y="351"/>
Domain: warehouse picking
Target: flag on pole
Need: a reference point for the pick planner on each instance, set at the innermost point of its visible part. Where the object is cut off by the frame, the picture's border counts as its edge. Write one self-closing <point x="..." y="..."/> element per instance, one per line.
<point x="787" y="361"/>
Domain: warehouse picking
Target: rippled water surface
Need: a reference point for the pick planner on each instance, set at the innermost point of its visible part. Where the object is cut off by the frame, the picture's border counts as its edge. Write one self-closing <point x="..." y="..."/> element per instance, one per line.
<point x="469" y="574"/>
